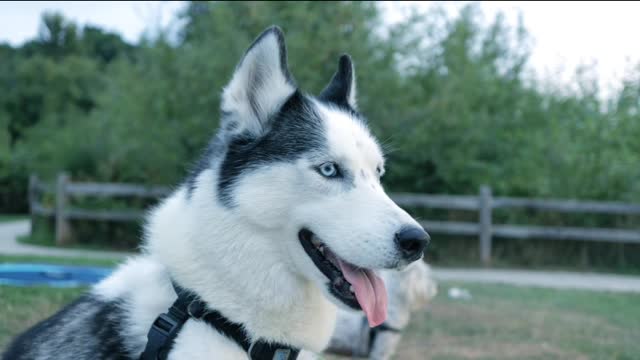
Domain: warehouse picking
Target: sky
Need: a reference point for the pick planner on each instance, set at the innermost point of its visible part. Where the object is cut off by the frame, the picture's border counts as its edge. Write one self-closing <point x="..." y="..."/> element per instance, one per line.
<point x="19" y="20"/>
<point x="565" y="34"/>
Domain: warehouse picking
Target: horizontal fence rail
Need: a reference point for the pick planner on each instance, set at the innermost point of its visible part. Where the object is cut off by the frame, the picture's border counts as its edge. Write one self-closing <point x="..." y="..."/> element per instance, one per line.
<point x="113" y="190"/>
<point x="104" y="215"/>
<point x="452" y="202"/>
<point x="484" y="203"/>
<point x="567" y="233"/>
<point x="451" y="227"/>
<point x="567" y="206"/>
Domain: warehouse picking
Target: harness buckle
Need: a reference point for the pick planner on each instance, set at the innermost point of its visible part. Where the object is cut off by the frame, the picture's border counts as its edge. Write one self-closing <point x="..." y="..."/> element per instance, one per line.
<point x="165" y="324"/>
<point x="161" y="334"/>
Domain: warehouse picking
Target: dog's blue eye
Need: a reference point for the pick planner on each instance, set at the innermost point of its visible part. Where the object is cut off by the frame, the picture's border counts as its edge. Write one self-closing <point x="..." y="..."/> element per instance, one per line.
<point x="328" y="169"/>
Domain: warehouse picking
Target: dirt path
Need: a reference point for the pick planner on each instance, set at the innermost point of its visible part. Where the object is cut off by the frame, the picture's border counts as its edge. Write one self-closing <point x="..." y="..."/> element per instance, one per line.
<point x="548" y="279"/>
<point x="10" y="231"/>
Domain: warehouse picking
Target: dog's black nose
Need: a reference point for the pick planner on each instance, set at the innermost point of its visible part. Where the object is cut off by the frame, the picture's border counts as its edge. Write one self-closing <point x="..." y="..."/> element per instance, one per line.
<point x="412" y="241"/>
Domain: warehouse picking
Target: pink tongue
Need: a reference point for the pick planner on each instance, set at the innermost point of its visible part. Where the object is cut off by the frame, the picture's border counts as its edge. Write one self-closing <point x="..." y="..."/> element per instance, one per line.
<point x="370" y="292"/>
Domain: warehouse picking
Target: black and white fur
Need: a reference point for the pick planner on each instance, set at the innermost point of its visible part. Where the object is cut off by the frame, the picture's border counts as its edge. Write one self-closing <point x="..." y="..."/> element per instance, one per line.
<point x="229" y="233"/>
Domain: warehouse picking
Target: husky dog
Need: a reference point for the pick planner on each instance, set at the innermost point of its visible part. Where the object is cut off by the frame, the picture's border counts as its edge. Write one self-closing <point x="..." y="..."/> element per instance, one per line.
<point x="283" y="219"/>
<point x="409" y="290"/>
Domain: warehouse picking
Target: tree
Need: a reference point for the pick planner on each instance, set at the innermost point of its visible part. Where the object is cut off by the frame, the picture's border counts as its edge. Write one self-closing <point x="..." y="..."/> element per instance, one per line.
<point x="104" y="46"/>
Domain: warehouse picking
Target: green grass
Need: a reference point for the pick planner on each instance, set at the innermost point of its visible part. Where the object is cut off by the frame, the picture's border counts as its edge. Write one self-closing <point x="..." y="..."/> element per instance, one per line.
<point x="48" y="241"/>
<point x="57" y="260"/>
<point x="500" y="322"/>
<point x="454" y="251"/>
<point x="37" y="239"/>
<point x="22" y="307"/>
<point x="10" y="217"/>
<point x="508" y="322"/>
<point x="83" y="238"/>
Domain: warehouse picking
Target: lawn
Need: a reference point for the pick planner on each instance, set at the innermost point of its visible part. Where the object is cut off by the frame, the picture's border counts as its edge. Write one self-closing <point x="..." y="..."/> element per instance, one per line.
<point x="21" y="307"/>
<point x="499" y="322"/>
<point x="507" y="322"/>
<point x="56" y="260"/>
<point x="9" y="217"/>
<point x="46" y="239"/>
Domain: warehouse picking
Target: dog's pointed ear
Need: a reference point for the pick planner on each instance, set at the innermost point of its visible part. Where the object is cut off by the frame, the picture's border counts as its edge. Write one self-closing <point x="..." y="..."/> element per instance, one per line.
<point x="342" y="88"/>
<point x="260" y="84"/>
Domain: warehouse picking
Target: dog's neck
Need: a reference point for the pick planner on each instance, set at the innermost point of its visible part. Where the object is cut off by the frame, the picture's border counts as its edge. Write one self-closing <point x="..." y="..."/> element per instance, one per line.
<point x="237" y="271"/>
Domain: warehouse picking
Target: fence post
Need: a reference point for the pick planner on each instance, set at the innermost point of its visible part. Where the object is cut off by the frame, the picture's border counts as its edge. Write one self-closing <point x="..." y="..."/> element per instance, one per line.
<point x="33" y="198"/>
<point x="485" y="225"/>
<point x="63" y="229"/>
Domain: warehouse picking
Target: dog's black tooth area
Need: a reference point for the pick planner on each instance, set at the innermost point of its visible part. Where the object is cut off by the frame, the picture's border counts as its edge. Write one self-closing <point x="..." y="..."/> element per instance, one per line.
<point x="338" y="286"/>
<point x="351" y="302"/>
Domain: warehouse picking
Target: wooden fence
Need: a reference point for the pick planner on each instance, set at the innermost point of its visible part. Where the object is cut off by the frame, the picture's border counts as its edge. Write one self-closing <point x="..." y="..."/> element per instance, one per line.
<point x="484" y="203"/>
<point x="64" y="190"/>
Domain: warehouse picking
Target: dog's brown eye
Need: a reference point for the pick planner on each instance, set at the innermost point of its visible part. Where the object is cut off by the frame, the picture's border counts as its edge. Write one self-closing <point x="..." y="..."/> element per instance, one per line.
<point x="379" y="171"/>
<point x="328" y="169"/>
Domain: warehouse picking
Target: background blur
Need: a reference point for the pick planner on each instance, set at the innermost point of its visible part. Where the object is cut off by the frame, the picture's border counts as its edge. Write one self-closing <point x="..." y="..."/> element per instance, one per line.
<point x="534" y="101"/>
<point x="449" y="88"/>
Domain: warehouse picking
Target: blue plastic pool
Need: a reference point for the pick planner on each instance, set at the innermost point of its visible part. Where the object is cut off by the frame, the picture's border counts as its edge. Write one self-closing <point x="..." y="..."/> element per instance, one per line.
<point x="51" y="275"/>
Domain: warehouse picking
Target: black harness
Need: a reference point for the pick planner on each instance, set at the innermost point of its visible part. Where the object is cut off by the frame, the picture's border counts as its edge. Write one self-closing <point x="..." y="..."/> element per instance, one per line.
<point x="373" y="332"/>
<point x="187" y="306"/>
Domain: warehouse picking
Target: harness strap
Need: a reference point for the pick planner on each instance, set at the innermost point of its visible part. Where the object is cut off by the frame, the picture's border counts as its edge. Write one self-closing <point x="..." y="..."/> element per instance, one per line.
<point x="229" y="329"/>
<point x="166" y="327"/>
<point x="373" y="333"/>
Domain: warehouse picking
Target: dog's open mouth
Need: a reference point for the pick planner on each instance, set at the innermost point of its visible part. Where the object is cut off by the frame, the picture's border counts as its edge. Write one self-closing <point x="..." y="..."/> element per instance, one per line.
<point x="356" y="287"/>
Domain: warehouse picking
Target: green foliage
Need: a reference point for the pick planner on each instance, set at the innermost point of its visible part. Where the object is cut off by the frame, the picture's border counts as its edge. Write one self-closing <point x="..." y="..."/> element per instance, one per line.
<point x="450" y="98"/>
<point x="79" y="261"/>
<point x="50" y="85"/>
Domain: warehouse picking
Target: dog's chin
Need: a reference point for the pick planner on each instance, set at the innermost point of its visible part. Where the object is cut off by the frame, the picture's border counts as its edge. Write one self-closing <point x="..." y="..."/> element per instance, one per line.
<point x="337" y="288"/>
